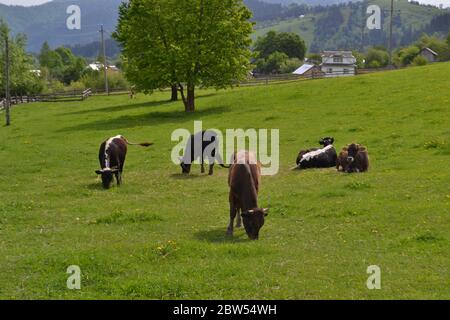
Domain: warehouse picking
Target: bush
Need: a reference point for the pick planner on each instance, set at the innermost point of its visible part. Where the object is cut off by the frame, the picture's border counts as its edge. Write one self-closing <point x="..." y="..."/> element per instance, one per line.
<point x="290" y="65"/>
<point x="419" y="61"/>
<point x="405" y="56"/>
<point x="377" y="58"/>
<point x="273" y="63"/>
<point x="95" y="80"/>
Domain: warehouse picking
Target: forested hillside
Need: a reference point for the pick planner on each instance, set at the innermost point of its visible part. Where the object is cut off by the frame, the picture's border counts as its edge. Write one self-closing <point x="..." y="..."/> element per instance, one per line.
<point x="322" y="27"/>
<point x="342" y="27"/>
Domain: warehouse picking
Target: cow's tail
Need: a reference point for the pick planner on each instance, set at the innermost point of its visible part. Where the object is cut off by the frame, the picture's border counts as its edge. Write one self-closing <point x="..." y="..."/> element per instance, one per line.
<point x="143" y="144"/>
<point x="220" y="161"/>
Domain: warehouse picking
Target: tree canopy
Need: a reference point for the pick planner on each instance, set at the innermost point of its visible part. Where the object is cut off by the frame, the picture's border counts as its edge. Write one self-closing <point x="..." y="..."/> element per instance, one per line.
<point x="184" y="43"/>
<point x="61" y="64"/>
<point x="22" y="78"/>
<point x="285" y="42"/>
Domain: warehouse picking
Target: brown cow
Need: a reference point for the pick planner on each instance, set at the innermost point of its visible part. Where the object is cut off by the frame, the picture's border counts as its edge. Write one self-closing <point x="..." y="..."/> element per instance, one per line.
<point x="244" y="180"/>
<point x="342" y="160"/>
<point x="358" y="158"/>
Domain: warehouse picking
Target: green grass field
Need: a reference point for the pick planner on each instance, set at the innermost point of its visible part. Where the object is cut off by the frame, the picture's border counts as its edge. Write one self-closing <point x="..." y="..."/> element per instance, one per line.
<point x="163" y="236"/>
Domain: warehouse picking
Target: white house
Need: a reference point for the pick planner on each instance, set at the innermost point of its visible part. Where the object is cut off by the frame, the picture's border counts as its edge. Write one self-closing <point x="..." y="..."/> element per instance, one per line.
<point x="338" y="64"/>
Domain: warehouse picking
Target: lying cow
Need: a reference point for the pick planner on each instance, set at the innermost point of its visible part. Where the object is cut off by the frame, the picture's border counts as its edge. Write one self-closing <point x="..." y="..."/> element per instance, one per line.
<point x="112" y="156"/>
<point x="342" y="160"/>
<point x="244" y="180"/>
<point x="358" y="158"/>
<point x="209" y="146"/>
<point x="318" y="158"/>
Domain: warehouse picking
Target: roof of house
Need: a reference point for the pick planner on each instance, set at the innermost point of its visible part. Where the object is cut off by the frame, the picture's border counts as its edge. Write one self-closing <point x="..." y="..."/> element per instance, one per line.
<point x="429" y="50"/>
<point x="304" y="68"/>
<point x="345" y="54"/>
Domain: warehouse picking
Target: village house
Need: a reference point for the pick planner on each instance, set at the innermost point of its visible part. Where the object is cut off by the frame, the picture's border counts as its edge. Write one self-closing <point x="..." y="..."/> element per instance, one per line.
<point x="309" y="71"/>
<point x="429" y="54"/>
<point x="338" y="64"/>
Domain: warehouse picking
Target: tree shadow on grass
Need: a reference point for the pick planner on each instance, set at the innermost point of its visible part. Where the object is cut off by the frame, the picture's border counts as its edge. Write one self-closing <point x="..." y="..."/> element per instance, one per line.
<point x="122" y="107"/>
<point x="219" y="235"/>
<point x="130" y="106"/>
<point x="148" y="119"/>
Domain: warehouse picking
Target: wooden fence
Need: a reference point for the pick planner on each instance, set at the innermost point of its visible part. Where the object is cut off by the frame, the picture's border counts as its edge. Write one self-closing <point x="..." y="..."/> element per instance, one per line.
<point x="53" y="97"/>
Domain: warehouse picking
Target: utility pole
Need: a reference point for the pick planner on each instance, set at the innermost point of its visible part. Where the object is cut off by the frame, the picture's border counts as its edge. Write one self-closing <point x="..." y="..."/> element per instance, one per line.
<point x="102" y="31"/>
<point x="390" y="32"/>
<point x="7" y="93"/>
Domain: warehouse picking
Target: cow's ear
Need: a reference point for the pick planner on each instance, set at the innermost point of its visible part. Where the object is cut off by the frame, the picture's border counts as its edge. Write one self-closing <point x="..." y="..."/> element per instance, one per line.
<point x="266" y="212"/>
<point x="98" y="171"/>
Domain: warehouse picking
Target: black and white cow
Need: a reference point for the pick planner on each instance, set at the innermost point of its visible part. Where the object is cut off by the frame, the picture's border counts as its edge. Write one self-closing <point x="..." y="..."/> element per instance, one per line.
<point x="203" y="145"/>
<point x="316" y="157"/>
<point x="112" y="155"/>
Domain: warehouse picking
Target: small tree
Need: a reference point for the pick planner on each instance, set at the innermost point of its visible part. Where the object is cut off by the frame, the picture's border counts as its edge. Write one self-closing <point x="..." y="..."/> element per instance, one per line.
<point x="184" y="43"/>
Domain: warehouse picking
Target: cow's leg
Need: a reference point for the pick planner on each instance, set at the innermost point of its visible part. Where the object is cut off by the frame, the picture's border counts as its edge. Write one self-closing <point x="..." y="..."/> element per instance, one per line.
<point x="118" y="178"/>
<point x="239" y="220"/>
<point x="203" y="166"/>
<point x="211" y="169"/>
<point x="233" y="212"/>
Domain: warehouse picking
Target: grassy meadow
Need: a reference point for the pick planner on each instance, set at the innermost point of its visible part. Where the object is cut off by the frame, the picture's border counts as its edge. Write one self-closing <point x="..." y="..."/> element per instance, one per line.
<point x="163" y="235"/>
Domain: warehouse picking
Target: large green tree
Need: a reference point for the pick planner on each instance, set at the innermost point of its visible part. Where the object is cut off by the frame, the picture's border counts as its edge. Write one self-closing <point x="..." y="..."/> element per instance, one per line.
<point x="186" y="43"/>
<point x="285" y="42"/>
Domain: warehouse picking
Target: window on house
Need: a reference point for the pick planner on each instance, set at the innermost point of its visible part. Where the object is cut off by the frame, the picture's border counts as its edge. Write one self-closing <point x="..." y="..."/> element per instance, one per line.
<point x="338" y="59"/>
<point x="346" y="71"/>
<point x="330" y="70"/>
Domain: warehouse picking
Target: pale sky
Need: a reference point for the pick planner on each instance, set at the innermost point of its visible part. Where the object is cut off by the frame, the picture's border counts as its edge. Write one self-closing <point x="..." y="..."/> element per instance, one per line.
<point x="446" y="3"/>
<point x="24" y="2"/>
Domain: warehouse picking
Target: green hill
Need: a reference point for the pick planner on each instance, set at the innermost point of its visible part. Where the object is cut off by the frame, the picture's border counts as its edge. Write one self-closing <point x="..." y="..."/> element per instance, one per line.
<point x="324" y="228"/>
<point x="340" y="27"/>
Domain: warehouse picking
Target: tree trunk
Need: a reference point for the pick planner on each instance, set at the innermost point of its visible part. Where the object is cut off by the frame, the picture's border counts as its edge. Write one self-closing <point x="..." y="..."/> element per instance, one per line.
<point x="174" y="93"/>
<point x="190" y="107"/>
<point x="189" y="101"/>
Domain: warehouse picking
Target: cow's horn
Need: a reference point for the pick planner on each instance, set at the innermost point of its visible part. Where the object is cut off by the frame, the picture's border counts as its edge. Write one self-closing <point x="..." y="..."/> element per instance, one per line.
<point x="251" y="211"/>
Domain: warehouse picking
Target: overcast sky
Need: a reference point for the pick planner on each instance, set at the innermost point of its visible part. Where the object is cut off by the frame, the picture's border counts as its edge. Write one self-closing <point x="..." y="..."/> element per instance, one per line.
<point x="35" y="2"/>
<point x="24" y="2"/>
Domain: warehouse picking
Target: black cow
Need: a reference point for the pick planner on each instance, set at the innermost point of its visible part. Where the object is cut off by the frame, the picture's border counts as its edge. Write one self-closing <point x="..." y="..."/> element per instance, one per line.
<point x="209" y="145"/>
<point x="112" y="155"/>
<point x="316" y="157"/>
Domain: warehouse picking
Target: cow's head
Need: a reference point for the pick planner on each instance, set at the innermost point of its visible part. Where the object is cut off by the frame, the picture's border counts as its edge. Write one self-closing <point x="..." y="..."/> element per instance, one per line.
<point x="326" y="141"/>
<point x="253" y="221"/>
<point x="352" y="152"/>
<point x="107" y="176"/>
<point x="185" y="168"/>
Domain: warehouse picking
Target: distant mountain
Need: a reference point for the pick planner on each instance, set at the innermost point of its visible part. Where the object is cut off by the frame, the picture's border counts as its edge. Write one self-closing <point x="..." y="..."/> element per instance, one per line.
<point x="335" y="27"/>
<point x="47" y="22"/>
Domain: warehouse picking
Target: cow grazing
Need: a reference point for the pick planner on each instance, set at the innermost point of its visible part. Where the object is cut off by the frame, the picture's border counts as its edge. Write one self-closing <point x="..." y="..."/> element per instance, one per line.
<point x="244" y="180"/>
<point x="358" y="158"/>
<point x="342" y="160"/>
<point x="318" y="158"/>
<point x="209" y="143"/>
<point x="112" y="156"/>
